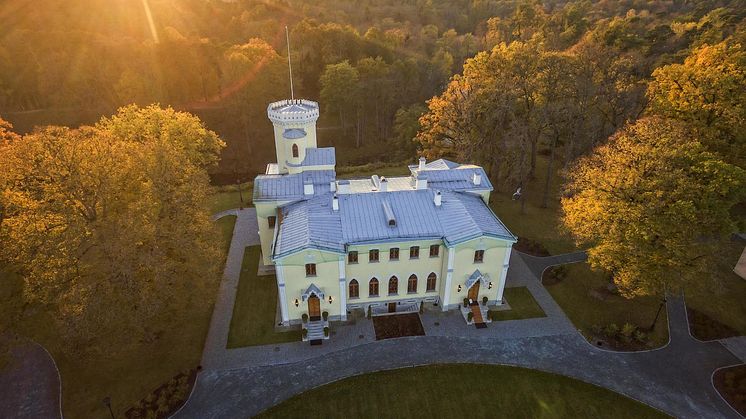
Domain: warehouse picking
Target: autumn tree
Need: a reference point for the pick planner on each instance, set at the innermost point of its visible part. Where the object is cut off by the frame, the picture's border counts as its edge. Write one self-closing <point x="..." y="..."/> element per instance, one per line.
<point x="652" y="205"/>
<point x="709" y="92"/>
<point x="339" y="92"/>
<point x="108" y="225"/>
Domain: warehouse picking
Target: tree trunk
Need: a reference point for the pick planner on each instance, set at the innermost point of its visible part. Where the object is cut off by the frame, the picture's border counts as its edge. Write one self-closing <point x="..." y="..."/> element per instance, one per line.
<point x="550" y="170"/>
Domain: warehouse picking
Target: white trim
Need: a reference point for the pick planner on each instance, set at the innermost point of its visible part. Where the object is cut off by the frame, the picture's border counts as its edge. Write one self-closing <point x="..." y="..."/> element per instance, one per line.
<point x="449" y="278"/>
<point x="503" y="275"/>
<point x="283" y="297"/>
<point x="343" y="289"/>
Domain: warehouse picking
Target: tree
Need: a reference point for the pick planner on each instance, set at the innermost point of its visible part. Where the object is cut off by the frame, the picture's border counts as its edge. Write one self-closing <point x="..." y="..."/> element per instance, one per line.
<point x="652" y="203"/>
<point x="339" y="91"/>
<point x="108" y="225"/>
<point x="708" y="91"/>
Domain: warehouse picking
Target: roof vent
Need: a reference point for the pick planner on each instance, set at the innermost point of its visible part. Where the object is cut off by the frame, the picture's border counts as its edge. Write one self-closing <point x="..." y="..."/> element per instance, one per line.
<point x="422" y="163"/>
<point x="383" y="185"/>
<point x="389" y="213"/>
<point x="308" y="187"/>
<point x="420" y="181"/>
<point x="477" y="179"/>
<point x="335" y="203"/>
<point x="438" y="198"/>
<point x="376" y="181"/>
<point x="332" y="186"/>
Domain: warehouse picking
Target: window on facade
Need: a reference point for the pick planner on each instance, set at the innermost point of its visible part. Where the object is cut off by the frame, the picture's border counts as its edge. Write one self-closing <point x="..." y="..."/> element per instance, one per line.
<point x="373" y="255"/>
<point x="310" y="269"/>
<point x="431" y="281"/>
<point x="414" y="252"/>
<point x="412" y="284"/>
<point x="479" y="256"/>
<point x="393" y="285"/>
<point x="373" y="288"/>
<point x="295" y="150"/>
<point x="434" y="250"/>
<point x="271" y="220"/>
<point x="354" y="289"/>
<point x="394" y="253"/>
<point x="352" y="257"/>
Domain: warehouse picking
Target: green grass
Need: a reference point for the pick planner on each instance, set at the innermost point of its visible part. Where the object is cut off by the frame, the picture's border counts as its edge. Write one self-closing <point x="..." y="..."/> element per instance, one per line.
<point x="468" y="390"/>
<point x="229" y="197"/>
<point x="256" y="304"/>
<point x="585" y="311"/>
<point x="226" y="225"/>
<point x="522" y="305"/>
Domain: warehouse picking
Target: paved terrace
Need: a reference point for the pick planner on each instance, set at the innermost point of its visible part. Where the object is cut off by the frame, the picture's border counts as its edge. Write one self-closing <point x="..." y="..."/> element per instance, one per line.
<point x="245" y="381"/>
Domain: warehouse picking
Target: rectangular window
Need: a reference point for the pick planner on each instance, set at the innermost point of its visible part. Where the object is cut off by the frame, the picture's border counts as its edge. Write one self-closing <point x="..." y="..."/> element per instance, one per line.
<point x="352" y="257"/>
<point x="271" y="221"/>
<point x="414" y="252"/>
<point x="373" y="255"/>
<point x="479" y="256"/>
<point x="394" y="253"/>
<point x="434" y="250"/>
<point x="310" y="269"/>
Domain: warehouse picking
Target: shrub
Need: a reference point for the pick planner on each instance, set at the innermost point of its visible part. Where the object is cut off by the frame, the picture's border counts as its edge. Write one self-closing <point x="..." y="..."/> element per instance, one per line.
<point x="466" y="302"/>
<point x="640" y="336"/>
<point x="326" y="331"/>
<point x="628" y="330"/>
<point x="325" y="315"/>
<point x="305" y="333"/>
<point x="469" y="316"/>
<point x="369" y="312"/>
<point x="484" y="300"/>
<point x="304" y="317"/>
<point x="611" y="330"/>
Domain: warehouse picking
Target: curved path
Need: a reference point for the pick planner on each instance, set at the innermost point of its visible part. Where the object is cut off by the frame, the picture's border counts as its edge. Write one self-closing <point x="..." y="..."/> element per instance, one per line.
<point x="675" y="379"/>
<point x="30" y="384"/>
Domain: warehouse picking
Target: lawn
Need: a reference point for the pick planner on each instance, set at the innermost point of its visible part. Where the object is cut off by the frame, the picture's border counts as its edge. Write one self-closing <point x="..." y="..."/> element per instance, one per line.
<point x="229" y="197"/>
<point x="253" y="318"/>
<point x="522" y="305"/>
<point x="468" y="390"/>
<point x="574" y="295"/>
<point x="226" y="225"/>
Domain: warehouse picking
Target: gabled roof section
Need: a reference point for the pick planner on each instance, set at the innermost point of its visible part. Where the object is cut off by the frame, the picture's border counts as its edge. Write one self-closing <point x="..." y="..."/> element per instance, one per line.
<point x="325" y="156"/>
<point x="290" y="187"/>
<point x="309" y="224"/>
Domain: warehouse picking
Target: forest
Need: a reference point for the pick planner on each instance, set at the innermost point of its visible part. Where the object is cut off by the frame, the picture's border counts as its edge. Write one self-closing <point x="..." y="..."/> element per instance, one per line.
<point x="372" y="65"/>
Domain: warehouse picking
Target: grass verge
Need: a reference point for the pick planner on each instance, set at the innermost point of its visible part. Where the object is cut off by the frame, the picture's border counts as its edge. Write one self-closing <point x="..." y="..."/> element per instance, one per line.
<point x="522" y="305"/>
<point x="449" y="391"/>
<point x="253" y="321"/>
<point x="231" y="196"/>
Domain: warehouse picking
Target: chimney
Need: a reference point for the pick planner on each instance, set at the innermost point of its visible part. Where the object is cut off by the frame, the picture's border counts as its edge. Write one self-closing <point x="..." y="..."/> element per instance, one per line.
<point x="308" y="187"/>
<point x="437" y="199"/>
<point x="383" y="185"/>
<point x="332" y="186"/>
<point x="420" y="181"/>
<point x="422" y="164"/>
<point x="343" y="187"/>
<point x="477" y="179"/>
<point x="335" y="203"/>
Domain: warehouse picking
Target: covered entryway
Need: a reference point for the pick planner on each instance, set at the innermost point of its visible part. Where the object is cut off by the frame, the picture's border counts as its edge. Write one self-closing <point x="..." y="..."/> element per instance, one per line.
<point x="314" y="308"/>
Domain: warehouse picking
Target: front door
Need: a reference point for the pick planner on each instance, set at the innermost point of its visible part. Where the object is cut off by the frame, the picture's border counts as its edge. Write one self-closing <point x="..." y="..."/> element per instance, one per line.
<point x="314" y="308"/>
<point x="392" y="307"/>
<point x="474" y="292"/>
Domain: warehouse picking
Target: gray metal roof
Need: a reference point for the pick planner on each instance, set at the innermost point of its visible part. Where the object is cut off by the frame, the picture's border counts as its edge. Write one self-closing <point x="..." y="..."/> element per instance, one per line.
<point x="325" y="156"/>
<point x="290" y="187"/>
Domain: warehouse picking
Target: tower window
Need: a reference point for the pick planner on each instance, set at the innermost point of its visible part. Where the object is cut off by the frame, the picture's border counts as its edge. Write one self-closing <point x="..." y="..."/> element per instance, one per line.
<point x="295" y="150"/>
<point x="271" y="221"/>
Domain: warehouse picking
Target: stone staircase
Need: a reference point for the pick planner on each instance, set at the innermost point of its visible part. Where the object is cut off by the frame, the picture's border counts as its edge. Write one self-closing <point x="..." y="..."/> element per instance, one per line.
<point x="316" y="330"/>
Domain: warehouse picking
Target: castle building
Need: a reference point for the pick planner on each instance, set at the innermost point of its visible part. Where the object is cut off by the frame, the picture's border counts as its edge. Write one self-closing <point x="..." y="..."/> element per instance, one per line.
<point x="376" y="244"/>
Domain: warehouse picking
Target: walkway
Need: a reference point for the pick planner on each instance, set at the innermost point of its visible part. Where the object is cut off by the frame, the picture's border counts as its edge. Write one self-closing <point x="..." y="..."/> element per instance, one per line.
<point x="243" y="382"/>
<point x="245" y="233"/>
<point x="30" y="384"/>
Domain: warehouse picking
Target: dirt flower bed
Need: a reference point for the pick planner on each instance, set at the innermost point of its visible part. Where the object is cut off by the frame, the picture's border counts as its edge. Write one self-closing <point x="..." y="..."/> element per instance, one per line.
<point x="554" y="275"/>
<point x="398" y="325"/>
<point x="628" y="337"/>
<point x="731" y="383"/>
<point x="166" y="399"/>
<point x="704" y="327"/>
<point x="531" y="247"/>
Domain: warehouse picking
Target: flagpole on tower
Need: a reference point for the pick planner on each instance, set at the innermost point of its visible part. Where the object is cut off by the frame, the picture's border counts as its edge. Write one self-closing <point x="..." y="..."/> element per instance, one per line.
<point x="290" y="66"/>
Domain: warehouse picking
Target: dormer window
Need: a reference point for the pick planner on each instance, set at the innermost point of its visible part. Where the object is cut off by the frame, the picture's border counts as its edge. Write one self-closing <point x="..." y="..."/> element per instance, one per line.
<point x="295" y="150"/>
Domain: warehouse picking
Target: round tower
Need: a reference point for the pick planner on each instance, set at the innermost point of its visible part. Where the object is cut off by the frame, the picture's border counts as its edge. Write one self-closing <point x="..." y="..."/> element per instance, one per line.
<point x="295" y="131"/>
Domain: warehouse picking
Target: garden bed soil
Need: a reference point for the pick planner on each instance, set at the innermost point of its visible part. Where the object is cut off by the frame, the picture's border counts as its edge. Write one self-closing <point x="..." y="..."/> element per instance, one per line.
<point x="531" y="247"/>
<point x="166" y="399"/>
<point x="731" y="384"/>
<point x="554" y="275"/>
<point x="616" y="344"/>
<point x="706" y="328"/>
<point x="398" y="325"/>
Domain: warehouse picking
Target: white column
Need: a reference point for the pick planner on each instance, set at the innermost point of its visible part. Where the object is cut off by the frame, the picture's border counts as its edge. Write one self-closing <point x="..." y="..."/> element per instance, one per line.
<point x="281" y="293"/>
<point x="503" y="275"/>
<point x="342" y="289"/>
<point x="449" y="279"/>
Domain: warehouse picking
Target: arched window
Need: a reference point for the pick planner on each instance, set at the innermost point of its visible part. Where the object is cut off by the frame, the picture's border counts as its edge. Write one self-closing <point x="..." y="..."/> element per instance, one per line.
<point x="412" y="284"/>
<point x="354" y="289"/>
<point x="431" y="281"/>
<point x="393" y="285"/>
<point x="295" y="150"/>
<point x="373" y="288"/>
